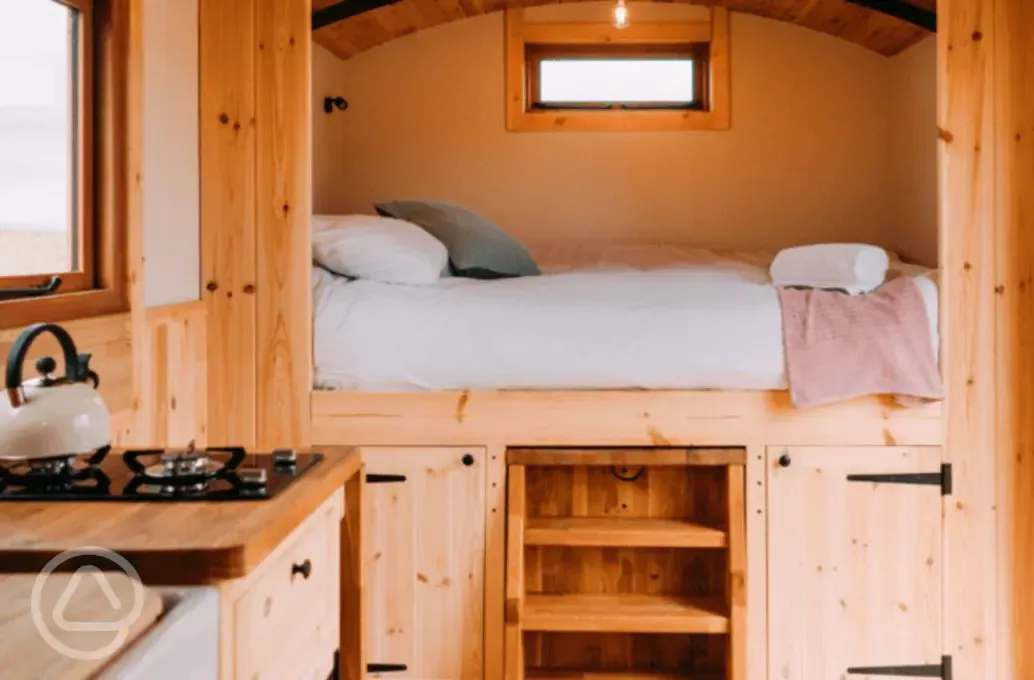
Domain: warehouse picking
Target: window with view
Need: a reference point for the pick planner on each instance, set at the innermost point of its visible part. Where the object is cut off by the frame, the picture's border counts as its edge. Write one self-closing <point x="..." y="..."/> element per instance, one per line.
<point x="614" y="77"/>
<point x="46" y="130"/>
<point x="595" y="76"/>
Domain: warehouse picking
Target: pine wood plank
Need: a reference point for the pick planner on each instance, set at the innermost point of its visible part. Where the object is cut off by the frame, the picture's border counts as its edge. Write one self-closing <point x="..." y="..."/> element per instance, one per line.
<point x="227" y="129"/>
<point x="736" y="589"/>
<point x="623" y="613"/>
<point x="283" y="252"/>
<point x="635" y="418"/>
<point x="622" y="532"/>
<point x="516" y="511"/>
<point x="1014" y="87"/>
<point x="644" y="456"/>
<point x="546" y="674"/>
<point x="972" y="238"/>
<point x="351" y="630"/>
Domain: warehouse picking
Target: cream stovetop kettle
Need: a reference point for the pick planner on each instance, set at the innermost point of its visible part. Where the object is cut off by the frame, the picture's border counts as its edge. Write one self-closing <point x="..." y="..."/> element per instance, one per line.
<point x="51" y="416"/>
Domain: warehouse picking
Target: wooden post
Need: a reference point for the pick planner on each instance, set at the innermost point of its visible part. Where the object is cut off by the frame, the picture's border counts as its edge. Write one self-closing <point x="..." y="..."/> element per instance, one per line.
<point x="515" y="515"/>
<point x="736" y="594"/>
<point x="986" y="128"/>
<point x="353" y="620"/>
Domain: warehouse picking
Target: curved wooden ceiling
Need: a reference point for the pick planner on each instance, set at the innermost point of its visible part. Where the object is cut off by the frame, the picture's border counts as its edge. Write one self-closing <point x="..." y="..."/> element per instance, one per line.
<point x="876" y="31"/>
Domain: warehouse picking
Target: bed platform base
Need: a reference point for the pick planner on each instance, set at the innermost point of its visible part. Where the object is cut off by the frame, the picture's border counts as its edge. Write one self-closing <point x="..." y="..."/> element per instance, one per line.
<point x="655" y="418"/>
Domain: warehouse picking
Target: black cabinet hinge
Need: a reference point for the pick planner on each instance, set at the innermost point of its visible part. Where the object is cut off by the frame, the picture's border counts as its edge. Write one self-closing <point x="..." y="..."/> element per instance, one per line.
<point x="941" y="670"/>
<point x="386" y="667"/>
<point x="384" y="479"/>
<point x="941" y="479"/>
<point x="335" y="671"/>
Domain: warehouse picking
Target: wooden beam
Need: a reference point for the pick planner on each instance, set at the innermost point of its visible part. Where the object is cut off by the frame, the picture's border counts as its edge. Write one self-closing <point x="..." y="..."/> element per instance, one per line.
<point x="344" y="10"/>
<point x="906" y="11"/>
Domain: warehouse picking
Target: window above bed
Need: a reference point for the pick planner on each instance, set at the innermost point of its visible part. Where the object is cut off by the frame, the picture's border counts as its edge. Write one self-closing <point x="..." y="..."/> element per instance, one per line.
<point x="593" y="76"/>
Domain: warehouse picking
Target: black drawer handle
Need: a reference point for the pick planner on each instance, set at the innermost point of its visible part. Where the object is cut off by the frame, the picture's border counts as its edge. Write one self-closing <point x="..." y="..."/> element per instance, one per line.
<point x="305" y="569"/>
<point x="386" y="667"/>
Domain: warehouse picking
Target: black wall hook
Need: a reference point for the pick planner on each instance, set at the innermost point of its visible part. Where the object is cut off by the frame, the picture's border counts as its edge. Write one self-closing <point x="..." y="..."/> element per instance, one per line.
<point x="329" y="103"/>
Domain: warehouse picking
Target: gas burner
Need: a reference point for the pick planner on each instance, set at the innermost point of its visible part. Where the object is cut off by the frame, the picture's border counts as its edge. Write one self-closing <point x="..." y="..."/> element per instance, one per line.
<point x="55" y="474"/>
<point x="214" y="474"/>
<point x="188" y="472"/>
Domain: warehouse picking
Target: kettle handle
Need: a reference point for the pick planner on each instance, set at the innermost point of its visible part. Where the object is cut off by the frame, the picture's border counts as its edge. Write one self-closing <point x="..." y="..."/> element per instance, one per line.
<point x="20" y="350"/>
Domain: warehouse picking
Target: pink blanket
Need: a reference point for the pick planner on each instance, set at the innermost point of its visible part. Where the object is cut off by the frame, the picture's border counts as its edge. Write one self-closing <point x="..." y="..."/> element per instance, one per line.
<point x="840" y="346"/>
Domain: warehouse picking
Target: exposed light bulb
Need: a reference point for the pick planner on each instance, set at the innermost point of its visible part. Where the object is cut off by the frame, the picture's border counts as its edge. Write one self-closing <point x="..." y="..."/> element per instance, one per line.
<point x="621" y="14"/>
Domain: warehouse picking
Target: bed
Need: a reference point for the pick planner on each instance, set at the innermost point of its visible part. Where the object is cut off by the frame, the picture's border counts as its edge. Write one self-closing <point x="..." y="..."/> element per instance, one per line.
<point x="602" y="317"/>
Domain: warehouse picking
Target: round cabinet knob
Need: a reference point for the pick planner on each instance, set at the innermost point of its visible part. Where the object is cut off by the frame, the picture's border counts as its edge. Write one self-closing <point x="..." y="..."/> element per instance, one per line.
<point x="468" y="460"/>
<point x="784" y="460"/>
<point x="305" y="569"/>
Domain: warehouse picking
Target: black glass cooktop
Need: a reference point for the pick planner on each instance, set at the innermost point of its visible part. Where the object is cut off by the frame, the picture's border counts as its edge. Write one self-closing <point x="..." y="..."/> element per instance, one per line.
<point x="216" y="474"/>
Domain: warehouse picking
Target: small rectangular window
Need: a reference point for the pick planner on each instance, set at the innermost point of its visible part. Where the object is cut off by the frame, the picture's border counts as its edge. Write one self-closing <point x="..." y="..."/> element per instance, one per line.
<point x="629" y="81"/>
<point x="582" y="76"/>
<point x="575" y="77"/>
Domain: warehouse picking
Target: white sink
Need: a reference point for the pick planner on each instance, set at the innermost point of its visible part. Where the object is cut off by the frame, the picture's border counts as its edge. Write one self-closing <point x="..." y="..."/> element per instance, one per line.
<point x="183" y="643"/>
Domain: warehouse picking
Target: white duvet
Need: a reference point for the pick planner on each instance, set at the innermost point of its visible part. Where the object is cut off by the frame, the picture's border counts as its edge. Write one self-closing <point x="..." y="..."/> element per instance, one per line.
<point x="700" y="327"/>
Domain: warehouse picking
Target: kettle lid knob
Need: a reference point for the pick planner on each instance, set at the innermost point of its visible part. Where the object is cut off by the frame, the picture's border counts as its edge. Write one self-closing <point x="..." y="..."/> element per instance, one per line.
<point x="46" y="366"/>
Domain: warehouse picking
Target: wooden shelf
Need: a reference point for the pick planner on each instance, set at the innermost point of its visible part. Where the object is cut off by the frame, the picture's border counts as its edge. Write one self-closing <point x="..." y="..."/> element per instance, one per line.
<point x="622" y="614"/>
<point x="546" y="674"/>
<point x="621" y="533"/>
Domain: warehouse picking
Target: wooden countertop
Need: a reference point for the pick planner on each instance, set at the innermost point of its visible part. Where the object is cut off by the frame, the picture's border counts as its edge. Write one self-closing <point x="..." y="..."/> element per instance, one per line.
<point x="171" y="543"/>
<point x="26" y="653"/>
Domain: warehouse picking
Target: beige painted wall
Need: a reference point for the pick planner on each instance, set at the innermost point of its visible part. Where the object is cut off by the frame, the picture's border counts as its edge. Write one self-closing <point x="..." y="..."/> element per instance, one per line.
<point x="172" y="217"/>
<point x="913" y="153"/>
<point x="806" y="159"/>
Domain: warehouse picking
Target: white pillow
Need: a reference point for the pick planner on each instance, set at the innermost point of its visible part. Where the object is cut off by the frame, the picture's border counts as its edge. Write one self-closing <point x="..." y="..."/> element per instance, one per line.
<point x="377" y="249"/>
<point x="855" y="268"/>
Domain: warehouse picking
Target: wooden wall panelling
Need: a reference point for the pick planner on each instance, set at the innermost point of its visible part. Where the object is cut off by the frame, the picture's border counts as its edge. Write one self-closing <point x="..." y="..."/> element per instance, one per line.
<point x="228" y="204"/>
<point x="1014" y="201"/>
<point x="132" y="136"/>
<point x="968" y="241"/>
<point x="284" y="207"/>
<point x="109" y="340"/>
<point x="178" y="387"/>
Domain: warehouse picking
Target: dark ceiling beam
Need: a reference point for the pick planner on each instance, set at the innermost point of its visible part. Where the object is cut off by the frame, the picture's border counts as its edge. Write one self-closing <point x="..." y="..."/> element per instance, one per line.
<point x="345" y="9"/>
<point x="905" y="11"/>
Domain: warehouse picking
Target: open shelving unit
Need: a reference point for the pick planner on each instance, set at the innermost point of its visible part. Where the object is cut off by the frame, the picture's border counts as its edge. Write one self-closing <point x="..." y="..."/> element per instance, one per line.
<point x="625" y="564"/>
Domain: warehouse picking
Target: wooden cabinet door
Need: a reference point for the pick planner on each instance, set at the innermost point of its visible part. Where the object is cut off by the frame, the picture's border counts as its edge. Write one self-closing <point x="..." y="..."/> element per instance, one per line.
<point x="424" y="561"/>
<point x="854" y="566"/>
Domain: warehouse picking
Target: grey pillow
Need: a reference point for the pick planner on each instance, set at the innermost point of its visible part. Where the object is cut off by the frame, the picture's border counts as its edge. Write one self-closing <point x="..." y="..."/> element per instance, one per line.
<point x="477" y="248"/>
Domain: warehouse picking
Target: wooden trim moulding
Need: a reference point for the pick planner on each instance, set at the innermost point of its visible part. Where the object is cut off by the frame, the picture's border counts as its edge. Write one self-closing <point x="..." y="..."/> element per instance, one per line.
<point x="659" y="418"/>
<point x="646" y="32"/>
